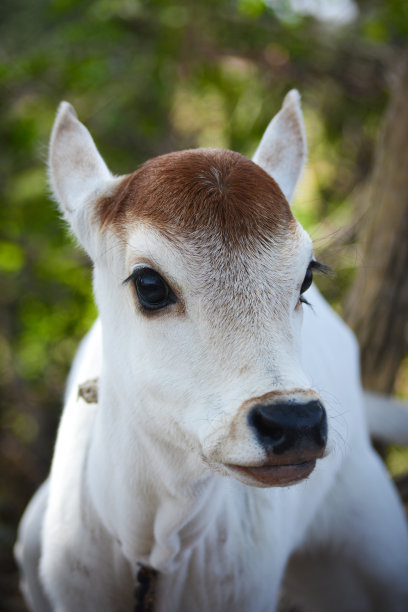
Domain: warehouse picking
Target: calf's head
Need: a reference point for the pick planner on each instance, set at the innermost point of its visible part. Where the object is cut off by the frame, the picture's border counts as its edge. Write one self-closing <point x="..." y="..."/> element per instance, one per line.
<point x="199" y="275"/>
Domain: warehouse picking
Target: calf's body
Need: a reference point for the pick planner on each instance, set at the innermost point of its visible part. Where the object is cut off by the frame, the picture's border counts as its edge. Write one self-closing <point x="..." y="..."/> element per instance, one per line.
<point x="200" y="270"/>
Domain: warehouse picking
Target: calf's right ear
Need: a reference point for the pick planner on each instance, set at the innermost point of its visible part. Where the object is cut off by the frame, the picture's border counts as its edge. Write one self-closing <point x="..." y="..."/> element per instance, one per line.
<point x="78" y="175"/>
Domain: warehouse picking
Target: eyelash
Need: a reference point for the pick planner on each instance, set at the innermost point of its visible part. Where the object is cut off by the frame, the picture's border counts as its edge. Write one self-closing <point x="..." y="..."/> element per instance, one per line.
<point x="318" y="267"/>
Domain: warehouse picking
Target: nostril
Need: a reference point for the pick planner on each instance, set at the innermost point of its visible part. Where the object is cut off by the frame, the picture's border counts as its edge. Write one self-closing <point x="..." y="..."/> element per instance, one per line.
<point x="266" y="425"/>
<point x="276" y="433"/>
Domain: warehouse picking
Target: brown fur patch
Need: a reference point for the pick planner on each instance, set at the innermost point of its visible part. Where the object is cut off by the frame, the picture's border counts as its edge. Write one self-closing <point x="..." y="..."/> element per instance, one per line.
<point x="274" y="396"/>
<point x="185" y="193"/>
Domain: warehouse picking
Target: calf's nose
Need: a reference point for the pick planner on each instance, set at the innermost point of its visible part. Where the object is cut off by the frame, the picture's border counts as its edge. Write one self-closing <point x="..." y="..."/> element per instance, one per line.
<point x="290" y="427"/>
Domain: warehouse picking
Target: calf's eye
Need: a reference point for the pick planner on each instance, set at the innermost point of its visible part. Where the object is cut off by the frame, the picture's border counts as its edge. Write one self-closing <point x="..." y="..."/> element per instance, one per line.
<point x="307" y="280"/>
<point x="152" y="290"/>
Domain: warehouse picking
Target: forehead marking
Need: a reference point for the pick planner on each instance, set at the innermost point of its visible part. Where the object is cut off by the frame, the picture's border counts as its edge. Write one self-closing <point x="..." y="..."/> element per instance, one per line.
<point x="185" y="194"/>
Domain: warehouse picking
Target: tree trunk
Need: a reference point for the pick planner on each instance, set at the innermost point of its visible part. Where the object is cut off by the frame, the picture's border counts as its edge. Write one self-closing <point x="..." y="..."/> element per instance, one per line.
<point x="377" y="307"/>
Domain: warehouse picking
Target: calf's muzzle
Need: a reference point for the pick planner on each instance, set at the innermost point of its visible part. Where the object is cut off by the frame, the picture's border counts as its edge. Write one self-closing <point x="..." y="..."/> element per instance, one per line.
<point x="291" y="428"/>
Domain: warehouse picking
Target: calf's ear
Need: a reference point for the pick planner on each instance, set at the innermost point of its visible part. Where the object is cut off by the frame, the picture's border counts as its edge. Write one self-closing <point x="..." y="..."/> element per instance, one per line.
<point x="282" y="150"/>
<point x="78" y="175"/>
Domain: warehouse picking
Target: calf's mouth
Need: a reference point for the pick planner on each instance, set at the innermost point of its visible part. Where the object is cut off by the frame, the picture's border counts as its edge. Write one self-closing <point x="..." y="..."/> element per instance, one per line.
<point x="272" y="474"/>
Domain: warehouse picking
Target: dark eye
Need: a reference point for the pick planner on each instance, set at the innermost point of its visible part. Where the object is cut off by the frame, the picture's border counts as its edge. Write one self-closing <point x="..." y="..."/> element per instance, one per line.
<point x="152" y="290"/>
<point x="307" y="280"/>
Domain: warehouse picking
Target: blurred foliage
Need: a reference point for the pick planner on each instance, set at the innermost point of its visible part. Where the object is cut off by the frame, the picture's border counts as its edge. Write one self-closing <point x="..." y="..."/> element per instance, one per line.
<point x="147" y="77"/>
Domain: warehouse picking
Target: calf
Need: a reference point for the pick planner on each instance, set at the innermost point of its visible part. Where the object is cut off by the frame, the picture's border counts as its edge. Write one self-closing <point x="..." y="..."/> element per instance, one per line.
<point x="226" y="452"/>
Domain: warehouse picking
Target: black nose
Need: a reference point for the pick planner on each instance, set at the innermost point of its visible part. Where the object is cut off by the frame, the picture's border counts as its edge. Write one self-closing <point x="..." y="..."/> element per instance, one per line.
<point x="290" y="427"/>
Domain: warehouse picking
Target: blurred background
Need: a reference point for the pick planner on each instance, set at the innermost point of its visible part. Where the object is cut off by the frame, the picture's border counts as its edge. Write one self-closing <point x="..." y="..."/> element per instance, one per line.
<point x="151" y="76"/>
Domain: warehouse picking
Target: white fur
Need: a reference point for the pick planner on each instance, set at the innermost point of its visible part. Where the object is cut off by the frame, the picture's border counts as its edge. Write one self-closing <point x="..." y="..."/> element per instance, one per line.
<point x="143" y="476"/>
<point x="284" y="160"/>
<point x="387" y="418"/>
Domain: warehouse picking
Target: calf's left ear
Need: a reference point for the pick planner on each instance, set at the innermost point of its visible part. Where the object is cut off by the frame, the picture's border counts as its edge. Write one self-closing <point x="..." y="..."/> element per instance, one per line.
<point x="282" y="150"/>
<point x="78" y="175"/>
